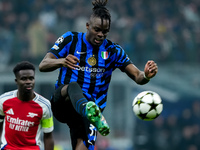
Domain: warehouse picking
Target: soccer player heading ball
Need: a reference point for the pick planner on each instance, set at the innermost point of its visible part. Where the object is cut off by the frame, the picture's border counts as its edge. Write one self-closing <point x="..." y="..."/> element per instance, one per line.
<point x="86" y="62"/>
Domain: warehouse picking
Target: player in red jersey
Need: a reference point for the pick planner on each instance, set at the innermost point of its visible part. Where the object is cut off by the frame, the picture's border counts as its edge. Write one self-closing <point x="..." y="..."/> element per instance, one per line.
<point x="24" y="114"/>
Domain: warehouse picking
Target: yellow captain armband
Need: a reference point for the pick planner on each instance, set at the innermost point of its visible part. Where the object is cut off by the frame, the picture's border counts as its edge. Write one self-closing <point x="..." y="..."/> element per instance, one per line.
<point x="47" y="123"/>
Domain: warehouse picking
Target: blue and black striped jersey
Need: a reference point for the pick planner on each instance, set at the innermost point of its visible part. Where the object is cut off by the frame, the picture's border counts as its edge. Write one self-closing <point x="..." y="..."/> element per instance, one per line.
<point x="96" y="64"/>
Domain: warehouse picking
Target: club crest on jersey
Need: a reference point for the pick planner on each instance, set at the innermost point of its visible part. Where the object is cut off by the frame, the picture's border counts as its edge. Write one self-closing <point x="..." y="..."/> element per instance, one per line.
<point x="30" y="114"/>
<point x="60" y="40"/>
<point x="92" y="61"/>
<point x="104" y="54"/>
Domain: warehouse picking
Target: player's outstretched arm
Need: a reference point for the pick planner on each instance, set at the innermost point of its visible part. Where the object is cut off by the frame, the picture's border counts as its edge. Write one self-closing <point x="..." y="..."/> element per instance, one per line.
<point x="51" y="63"/>
<point x="139" y="76"/>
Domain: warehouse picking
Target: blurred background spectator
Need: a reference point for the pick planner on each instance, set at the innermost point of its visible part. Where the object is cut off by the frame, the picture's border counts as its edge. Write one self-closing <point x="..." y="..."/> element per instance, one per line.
<point x="166" y="31"/>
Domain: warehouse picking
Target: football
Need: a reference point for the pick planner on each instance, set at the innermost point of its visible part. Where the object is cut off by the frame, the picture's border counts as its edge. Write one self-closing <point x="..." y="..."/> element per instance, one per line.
<point x="147" y="105"/>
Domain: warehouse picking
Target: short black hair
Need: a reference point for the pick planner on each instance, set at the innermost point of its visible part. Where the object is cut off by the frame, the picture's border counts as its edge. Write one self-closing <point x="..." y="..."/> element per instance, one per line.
<point x="100" y="10"/>
<point x="24" y="65"/>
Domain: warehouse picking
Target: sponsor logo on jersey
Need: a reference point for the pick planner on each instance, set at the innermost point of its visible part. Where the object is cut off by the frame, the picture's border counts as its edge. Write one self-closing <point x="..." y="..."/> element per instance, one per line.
<point x="30" y="114"/>
<point x="88" y="69"/>
<point x="92" y="61"/>
<point x="94" y="72"/>
<point x="60" y="40"/>
<point x="19" y="124"/>
<point x="19" y="121"/>
<point x="10" y="111"/>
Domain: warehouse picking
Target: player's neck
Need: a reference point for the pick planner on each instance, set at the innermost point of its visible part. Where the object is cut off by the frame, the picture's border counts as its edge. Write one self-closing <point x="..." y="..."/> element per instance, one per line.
<point x="25" y="96"/>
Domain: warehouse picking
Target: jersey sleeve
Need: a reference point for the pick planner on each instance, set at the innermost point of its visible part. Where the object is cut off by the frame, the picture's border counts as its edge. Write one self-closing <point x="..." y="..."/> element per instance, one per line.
<point x="47" y="118"/>
<point x="121" y="58"/>
<point x="62" y="45"/>
<point x="1" y="108"/>
<point x="47" y="124"/>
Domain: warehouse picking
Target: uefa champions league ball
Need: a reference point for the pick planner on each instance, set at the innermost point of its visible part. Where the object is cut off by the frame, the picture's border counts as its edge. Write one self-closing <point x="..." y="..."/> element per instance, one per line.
<point x="147" y="105"/>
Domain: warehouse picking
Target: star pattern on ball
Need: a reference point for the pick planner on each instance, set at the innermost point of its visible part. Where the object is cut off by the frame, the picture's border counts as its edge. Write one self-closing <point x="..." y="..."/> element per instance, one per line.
<point x="142" y="116"/>
<point x="139" y="101"/>
<point x="153" y="106"/>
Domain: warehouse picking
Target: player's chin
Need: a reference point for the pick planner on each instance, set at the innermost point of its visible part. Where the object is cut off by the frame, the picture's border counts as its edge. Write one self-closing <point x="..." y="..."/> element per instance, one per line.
<point x="97" y="43"/>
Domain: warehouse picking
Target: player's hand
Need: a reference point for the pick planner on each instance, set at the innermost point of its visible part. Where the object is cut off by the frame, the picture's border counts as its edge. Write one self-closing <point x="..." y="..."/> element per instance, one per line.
<point x="71" y="62"/>
<point x="150" y="69"/>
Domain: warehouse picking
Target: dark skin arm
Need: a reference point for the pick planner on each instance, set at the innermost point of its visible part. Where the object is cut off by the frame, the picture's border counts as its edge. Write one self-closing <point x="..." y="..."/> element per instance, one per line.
<point x="48" y="141"/>
<point x="1" y="128"/>
<point x="51" y="63"/>
<point x="137" y="75"/>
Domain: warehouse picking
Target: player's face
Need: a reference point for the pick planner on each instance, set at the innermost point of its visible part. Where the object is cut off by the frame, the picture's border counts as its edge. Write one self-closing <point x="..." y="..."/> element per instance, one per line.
<point x="97" y="30"/>
<point x="25" y="80"/>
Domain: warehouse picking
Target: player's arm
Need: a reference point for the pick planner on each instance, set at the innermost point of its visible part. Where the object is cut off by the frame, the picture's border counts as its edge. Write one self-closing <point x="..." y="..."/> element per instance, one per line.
<point x="48" y="141"/>
<point x="142" y="77"/>
<point x="47" y="125"/>
<point x="1" y="124"/>
<point x="1" y="128"/>
<point x="51" y="63"/>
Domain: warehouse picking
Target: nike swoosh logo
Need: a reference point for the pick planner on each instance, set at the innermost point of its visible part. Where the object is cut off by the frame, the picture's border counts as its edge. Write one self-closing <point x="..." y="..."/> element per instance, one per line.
<point x="80" y="52"/>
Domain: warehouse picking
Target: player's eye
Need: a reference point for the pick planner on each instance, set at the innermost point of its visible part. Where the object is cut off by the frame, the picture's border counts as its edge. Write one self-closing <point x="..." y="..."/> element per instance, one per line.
<point x="105" y="31"/>
<point x="97" y="29"/>
<point x="23" y="78"/>
<point x="31" y="78"/>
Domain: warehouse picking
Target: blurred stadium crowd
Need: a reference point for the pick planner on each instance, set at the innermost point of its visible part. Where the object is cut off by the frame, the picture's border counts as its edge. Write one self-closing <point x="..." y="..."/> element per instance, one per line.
<point x="167" y="31"/>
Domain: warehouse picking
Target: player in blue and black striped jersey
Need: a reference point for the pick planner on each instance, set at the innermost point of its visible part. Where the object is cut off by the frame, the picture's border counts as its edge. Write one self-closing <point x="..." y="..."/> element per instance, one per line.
<point x="86" y="62"/>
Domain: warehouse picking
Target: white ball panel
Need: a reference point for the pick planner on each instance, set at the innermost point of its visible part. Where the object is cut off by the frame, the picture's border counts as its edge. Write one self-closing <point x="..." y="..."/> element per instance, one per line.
<point x="159" y="108"/>
<point x="157" y="98"/>
<point x="147" y="98"/>
<point x="141" y="94"/>
<point x="144" y="108"/>
<point x="136" y="109"/>
<point x="151" y="114"/>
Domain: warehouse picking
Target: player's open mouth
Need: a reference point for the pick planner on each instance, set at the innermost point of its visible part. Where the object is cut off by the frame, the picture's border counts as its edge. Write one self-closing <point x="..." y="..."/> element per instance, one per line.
<point x="98" y="41"/>
<point x="29" y="88"/>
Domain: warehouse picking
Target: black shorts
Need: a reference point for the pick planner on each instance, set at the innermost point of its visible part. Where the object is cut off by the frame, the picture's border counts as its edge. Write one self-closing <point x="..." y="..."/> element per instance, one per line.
<point x="79" y="126"/>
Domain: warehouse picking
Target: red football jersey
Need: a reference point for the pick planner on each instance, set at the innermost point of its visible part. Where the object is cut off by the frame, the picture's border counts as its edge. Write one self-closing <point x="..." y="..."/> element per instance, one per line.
<point x="24" y="121"/>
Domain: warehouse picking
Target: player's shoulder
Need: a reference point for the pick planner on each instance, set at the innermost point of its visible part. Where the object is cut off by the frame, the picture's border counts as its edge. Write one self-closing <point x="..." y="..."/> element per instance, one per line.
<point x="43" y="103"/>
<point x="8" y="95"/>
<point x="41" y="100"/>
<point x="112" y="46"/>
<point x="68" y="37"/>
<point x="109" y="43"/>
<point x="70" y="34"/>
